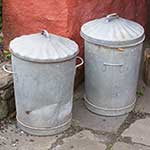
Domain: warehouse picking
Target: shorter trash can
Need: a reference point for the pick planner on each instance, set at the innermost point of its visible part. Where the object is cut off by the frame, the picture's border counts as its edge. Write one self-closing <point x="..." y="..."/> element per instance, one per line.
<point x="113" y="49"/>
<point x="44" y="68"/>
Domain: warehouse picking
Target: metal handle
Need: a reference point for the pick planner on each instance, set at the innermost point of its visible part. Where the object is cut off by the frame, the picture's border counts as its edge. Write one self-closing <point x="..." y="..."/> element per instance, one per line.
<point x="110" y="64"/>
<point x="82" y="62"/>
<point x="45" y="33"/>
<point x="112" y="17"/>
<point x="4" y="67"/>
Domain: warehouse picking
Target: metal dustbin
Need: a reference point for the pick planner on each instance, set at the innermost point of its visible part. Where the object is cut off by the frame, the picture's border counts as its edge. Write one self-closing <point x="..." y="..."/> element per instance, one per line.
<point x="113" y="49"/>
<point x="43" y="69"/>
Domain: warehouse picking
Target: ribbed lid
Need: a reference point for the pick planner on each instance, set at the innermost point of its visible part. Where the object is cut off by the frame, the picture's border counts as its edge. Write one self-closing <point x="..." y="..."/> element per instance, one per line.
<point x="43" y="47"/>
<point x="113" y="31"/>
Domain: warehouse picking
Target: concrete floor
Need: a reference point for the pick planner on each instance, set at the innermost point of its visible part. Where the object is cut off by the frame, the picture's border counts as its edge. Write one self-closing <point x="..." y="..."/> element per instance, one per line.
<point x="88" y="131"/>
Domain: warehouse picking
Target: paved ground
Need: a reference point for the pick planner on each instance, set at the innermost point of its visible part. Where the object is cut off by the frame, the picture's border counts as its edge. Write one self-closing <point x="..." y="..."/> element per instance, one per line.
<point x="88" y="131"/>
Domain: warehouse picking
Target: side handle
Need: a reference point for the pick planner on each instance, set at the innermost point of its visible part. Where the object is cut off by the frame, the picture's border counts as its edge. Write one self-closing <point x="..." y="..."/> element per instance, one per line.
<point x="113" y="65"/>
<point x="82" y="62"/>
<point x="5" y="68"/>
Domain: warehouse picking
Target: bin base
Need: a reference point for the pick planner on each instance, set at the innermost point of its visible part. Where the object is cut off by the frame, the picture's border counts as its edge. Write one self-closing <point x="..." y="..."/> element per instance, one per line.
<point x="109" y="112"/>
<point x="44" y="131"/>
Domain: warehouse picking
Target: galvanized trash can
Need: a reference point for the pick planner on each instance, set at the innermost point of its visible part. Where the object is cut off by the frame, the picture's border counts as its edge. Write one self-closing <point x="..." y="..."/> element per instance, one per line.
<point x="43" y="70"/>
<point x="113" y="49"/>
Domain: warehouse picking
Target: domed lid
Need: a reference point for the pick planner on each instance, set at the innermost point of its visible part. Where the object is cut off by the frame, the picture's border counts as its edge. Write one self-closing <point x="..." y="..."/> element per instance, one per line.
<point x="43" y="47"/>
<point x="113" y="31"/>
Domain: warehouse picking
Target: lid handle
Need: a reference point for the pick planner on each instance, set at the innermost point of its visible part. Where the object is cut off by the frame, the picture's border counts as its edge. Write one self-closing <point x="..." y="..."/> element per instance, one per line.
<point x="112" y="17"/>
<point x="45" y="33"/>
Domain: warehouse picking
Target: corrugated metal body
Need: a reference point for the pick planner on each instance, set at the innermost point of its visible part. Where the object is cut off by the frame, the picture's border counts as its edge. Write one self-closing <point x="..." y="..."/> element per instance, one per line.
<point x="43" y="70"/>
<point x="112" y="62"/>
<point x="111" y="78"/>
<point x="43" y="94"/>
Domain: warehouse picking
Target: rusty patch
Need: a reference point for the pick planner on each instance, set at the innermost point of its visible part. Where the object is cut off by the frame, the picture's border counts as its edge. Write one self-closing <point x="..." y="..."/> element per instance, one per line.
<point x="28" y="112"/>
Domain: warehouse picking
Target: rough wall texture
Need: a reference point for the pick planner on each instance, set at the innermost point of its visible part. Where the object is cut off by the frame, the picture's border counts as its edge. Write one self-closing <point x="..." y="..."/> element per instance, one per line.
<point x="148" y="18"/>
<point x="81" y="11"/>
<point x="63" y="17"/>
<point x="7" y="103"/>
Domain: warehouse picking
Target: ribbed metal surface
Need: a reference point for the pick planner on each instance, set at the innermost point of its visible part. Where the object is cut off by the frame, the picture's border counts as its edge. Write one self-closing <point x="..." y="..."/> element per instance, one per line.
<point x="43" y="47"/>
<point x="113" y="49"/>
<point x="111" y="79"/>
<point x="43" y="94"/>
<point x="113" y="31"/>
<point x="43" y="70"/>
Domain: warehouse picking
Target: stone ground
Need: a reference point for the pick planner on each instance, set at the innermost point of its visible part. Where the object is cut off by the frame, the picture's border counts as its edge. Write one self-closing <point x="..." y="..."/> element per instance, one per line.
<point x="88" y="131"/>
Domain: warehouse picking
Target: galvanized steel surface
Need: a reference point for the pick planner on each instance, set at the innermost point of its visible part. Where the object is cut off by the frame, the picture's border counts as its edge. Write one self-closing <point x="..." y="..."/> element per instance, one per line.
<point x="43" y="95"/>
<point x="43" y="47"/>
<point x="113" y="31"/>
<point x="111" y="78"/>
<point x="113" y="49"/>
<point x="43" y="70"/>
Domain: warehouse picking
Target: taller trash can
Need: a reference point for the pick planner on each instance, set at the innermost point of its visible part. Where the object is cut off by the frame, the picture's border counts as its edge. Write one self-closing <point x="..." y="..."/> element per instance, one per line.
<point x="43" y="70"/>
<point x="113" y="48"/>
